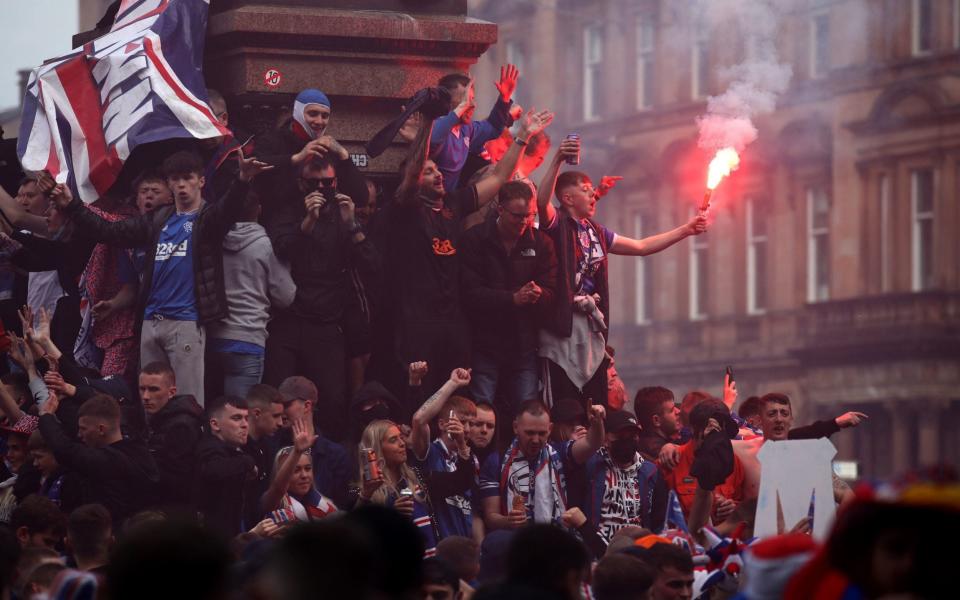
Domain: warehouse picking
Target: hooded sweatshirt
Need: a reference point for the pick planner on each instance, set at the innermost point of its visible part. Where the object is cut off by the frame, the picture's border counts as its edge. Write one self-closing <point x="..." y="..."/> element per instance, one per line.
<point x="255" y="280"/>
<point x="174" y="433"/>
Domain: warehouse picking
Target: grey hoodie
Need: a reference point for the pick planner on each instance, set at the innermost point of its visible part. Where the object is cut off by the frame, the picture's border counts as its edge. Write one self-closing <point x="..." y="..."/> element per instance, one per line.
<point x="255" y="281"/>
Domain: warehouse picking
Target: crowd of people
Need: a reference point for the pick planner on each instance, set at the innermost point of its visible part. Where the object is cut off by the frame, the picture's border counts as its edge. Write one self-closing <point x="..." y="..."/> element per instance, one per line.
<point x="255" y="375"/>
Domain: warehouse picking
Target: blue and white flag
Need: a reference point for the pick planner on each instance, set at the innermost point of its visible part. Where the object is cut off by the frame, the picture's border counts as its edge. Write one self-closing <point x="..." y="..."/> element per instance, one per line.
<point x="674" y="517"/>
<point x="84" y="113"/>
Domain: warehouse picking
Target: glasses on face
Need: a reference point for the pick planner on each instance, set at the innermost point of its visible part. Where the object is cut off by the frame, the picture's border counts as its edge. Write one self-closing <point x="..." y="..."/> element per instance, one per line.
<point x="319" y="182"/>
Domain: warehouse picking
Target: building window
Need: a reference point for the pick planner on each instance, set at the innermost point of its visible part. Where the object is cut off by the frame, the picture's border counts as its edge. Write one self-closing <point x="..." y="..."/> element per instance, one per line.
<point x="819" y="45"/>
<point x="643" y="308"/>
<point x="646" y="55"/>
<point x="922" y="26"/>
<point x="516" y="56"/>
<point x="757" y="211"/>
<point x="700" y="63"/>
<point x="592" y="79"/>
<point x="885" y="251"/>
<point x="818" y="245"/>
<point x="699" y="277"/>
<point x="921" y="192"/>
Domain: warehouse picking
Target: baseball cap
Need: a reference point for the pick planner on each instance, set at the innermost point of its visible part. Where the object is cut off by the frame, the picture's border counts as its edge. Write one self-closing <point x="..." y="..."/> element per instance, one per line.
<point x="298" y="388"/>
<point x="618" y="420"/>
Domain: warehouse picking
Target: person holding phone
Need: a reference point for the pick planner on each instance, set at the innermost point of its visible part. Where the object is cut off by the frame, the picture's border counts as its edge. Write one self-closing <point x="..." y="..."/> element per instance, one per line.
<point x="322" y="241"/>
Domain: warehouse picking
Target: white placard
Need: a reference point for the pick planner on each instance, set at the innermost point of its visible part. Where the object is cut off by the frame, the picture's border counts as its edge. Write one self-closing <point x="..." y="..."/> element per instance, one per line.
<point x="796" y="471"/>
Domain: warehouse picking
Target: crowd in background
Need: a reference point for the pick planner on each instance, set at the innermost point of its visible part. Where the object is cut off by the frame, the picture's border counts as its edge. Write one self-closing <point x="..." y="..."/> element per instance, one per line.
<point x="255" y="375"/>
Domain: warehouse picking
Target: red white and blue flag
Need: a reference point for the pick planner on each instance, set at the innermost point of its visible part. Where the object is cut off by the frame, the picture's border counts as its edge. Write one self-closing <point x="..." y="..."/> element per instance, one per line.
<point x="84" y="113"/>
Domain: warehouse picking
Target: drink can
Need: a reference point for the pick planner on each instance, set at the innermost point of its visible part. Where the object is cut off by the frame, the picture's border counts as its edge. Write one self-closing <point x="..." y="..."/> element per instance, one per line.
<point x="573" y="160"/>
<point x="371" y="468"/>
<point x="406" y="492"/>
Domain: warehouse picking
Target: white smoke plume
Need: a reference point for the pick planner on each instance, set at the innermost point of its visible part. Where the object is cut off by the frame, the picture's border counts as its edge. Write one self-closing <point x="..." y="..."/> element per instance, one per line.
<point x="755" y="83"/>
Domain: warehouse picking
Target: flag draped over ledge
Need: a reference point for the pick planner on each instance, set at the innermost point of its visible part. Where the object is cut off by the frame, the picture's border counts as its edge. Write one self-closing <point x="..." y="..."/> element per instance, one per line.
<point x="85" y="112"/>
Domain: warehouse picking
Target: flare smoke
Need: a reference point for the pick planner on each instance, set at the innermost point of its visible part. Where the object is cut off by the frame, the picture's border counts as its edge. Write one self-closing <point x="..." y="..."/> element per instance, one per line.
<point x="754" y="84"/>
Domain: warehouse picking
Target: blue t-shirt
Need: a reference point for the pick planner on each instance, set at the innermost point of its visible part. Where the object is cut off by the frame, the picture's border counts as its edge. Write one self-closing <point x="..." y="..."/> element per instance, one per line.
<point x="590" y="253"/>
<point x="172" y="291"/>
<point x="454" y="513"/>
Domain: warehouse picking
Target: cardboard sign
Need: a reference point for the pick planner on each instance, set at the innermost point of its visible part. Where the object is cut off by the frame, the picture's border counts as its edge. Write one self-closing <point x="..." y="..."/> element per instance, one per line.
<point x="795" y="473"/>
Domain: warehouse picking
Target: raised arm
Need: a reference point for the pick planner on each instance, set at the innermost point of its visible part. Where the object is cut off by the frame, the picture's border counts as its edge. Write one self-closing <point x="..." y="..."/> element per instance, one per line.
<point x="302" y="442"/>
<point x="533" y="122"/>
<point x="655" y="243"/>
<point x="18" y="218"/>
<point x="413" y="165"/>
<point x="128" y="233"/>
<point x="420" y="435"/>
<point x="499" y="117"/>
<point x="223" y="213"/>
<point x="548" y="183"/>
<point x="586" y="446"/>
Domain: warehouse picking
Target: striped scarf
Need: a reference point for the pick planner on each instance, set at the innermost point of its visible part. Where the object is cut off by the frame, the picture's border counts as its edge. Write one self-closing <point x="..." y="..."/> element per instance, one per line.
<point x="543" y="490"/>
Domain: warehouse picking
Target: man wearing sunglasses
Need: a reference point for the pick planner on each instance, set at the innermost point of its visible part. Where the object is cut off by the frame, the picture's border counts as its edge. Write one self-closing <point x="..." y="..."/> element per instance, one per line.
<point x="322" y="241"/>
<point x="508" y="275"/>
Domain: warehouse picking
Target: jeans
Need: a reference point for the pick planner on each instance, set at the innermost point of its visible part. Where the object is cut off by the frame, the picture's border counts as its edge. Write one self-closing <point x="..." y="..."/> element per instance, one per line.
<point x="238" y="372"/>
<point x="505" y="381"/>
<point x="179" y="343"/>
<point x="299" y="346"/>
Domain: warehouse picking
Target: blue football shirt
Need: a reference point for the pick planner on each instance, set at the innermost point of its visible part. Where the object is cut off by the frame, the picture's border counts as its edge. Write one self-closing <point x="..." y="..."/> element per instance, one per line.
<point x="172" y="290"/>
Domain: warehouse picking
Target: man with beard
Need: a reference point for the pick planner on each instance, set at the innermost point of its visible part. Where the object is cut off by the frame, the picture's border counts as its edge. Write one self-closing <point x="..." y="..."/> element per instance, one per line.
<point x="625" y="490"/>
<point x="422" y="252"/>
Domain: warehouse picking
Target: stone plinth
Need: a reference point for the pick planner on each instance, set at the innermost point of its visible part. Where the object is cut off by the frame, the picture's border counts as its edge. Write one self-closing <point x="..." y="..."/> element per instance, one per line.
<point x="261" y="54"/>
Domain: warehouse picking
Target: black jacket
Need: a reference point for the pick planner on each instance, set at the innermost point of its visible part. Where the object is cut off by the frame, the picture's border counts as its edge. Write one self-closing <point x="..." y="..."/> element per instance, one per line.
<point x="172" y="436"/>
<point x="488" y="280"/>
<point x="817" y="429"/>
<point x="69" y="259"/>
<point x="320" y="262"/>
<point x="565" y="242"/>
<point x="279" y="185"/>
<point x="212" y="225"/>
<point x="221" y="476"/>
<point x="120" y="476"/>
<point x="262" y="452"/>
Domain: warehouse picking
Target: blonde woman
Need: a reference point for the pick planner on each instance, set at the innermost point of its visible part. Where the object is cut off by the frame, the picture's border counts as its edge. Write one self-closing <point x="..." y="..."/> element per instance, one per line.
<point x="292" y="488"/>
<point x="403" y="487"/>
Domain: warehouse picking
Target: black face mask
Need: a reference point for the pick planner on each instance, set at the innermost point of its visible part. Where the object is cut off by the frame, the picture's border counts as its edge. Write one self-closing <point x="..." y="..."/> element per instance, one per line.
<point x="624" y="450"/>
<point x="374" y="413"/>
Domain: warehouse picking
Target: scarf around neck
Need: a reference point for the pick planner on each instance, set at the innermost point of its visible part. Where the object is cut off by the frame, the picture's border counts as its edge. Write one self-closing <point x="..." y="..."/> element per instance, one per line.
<point x="545" y="497"/>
